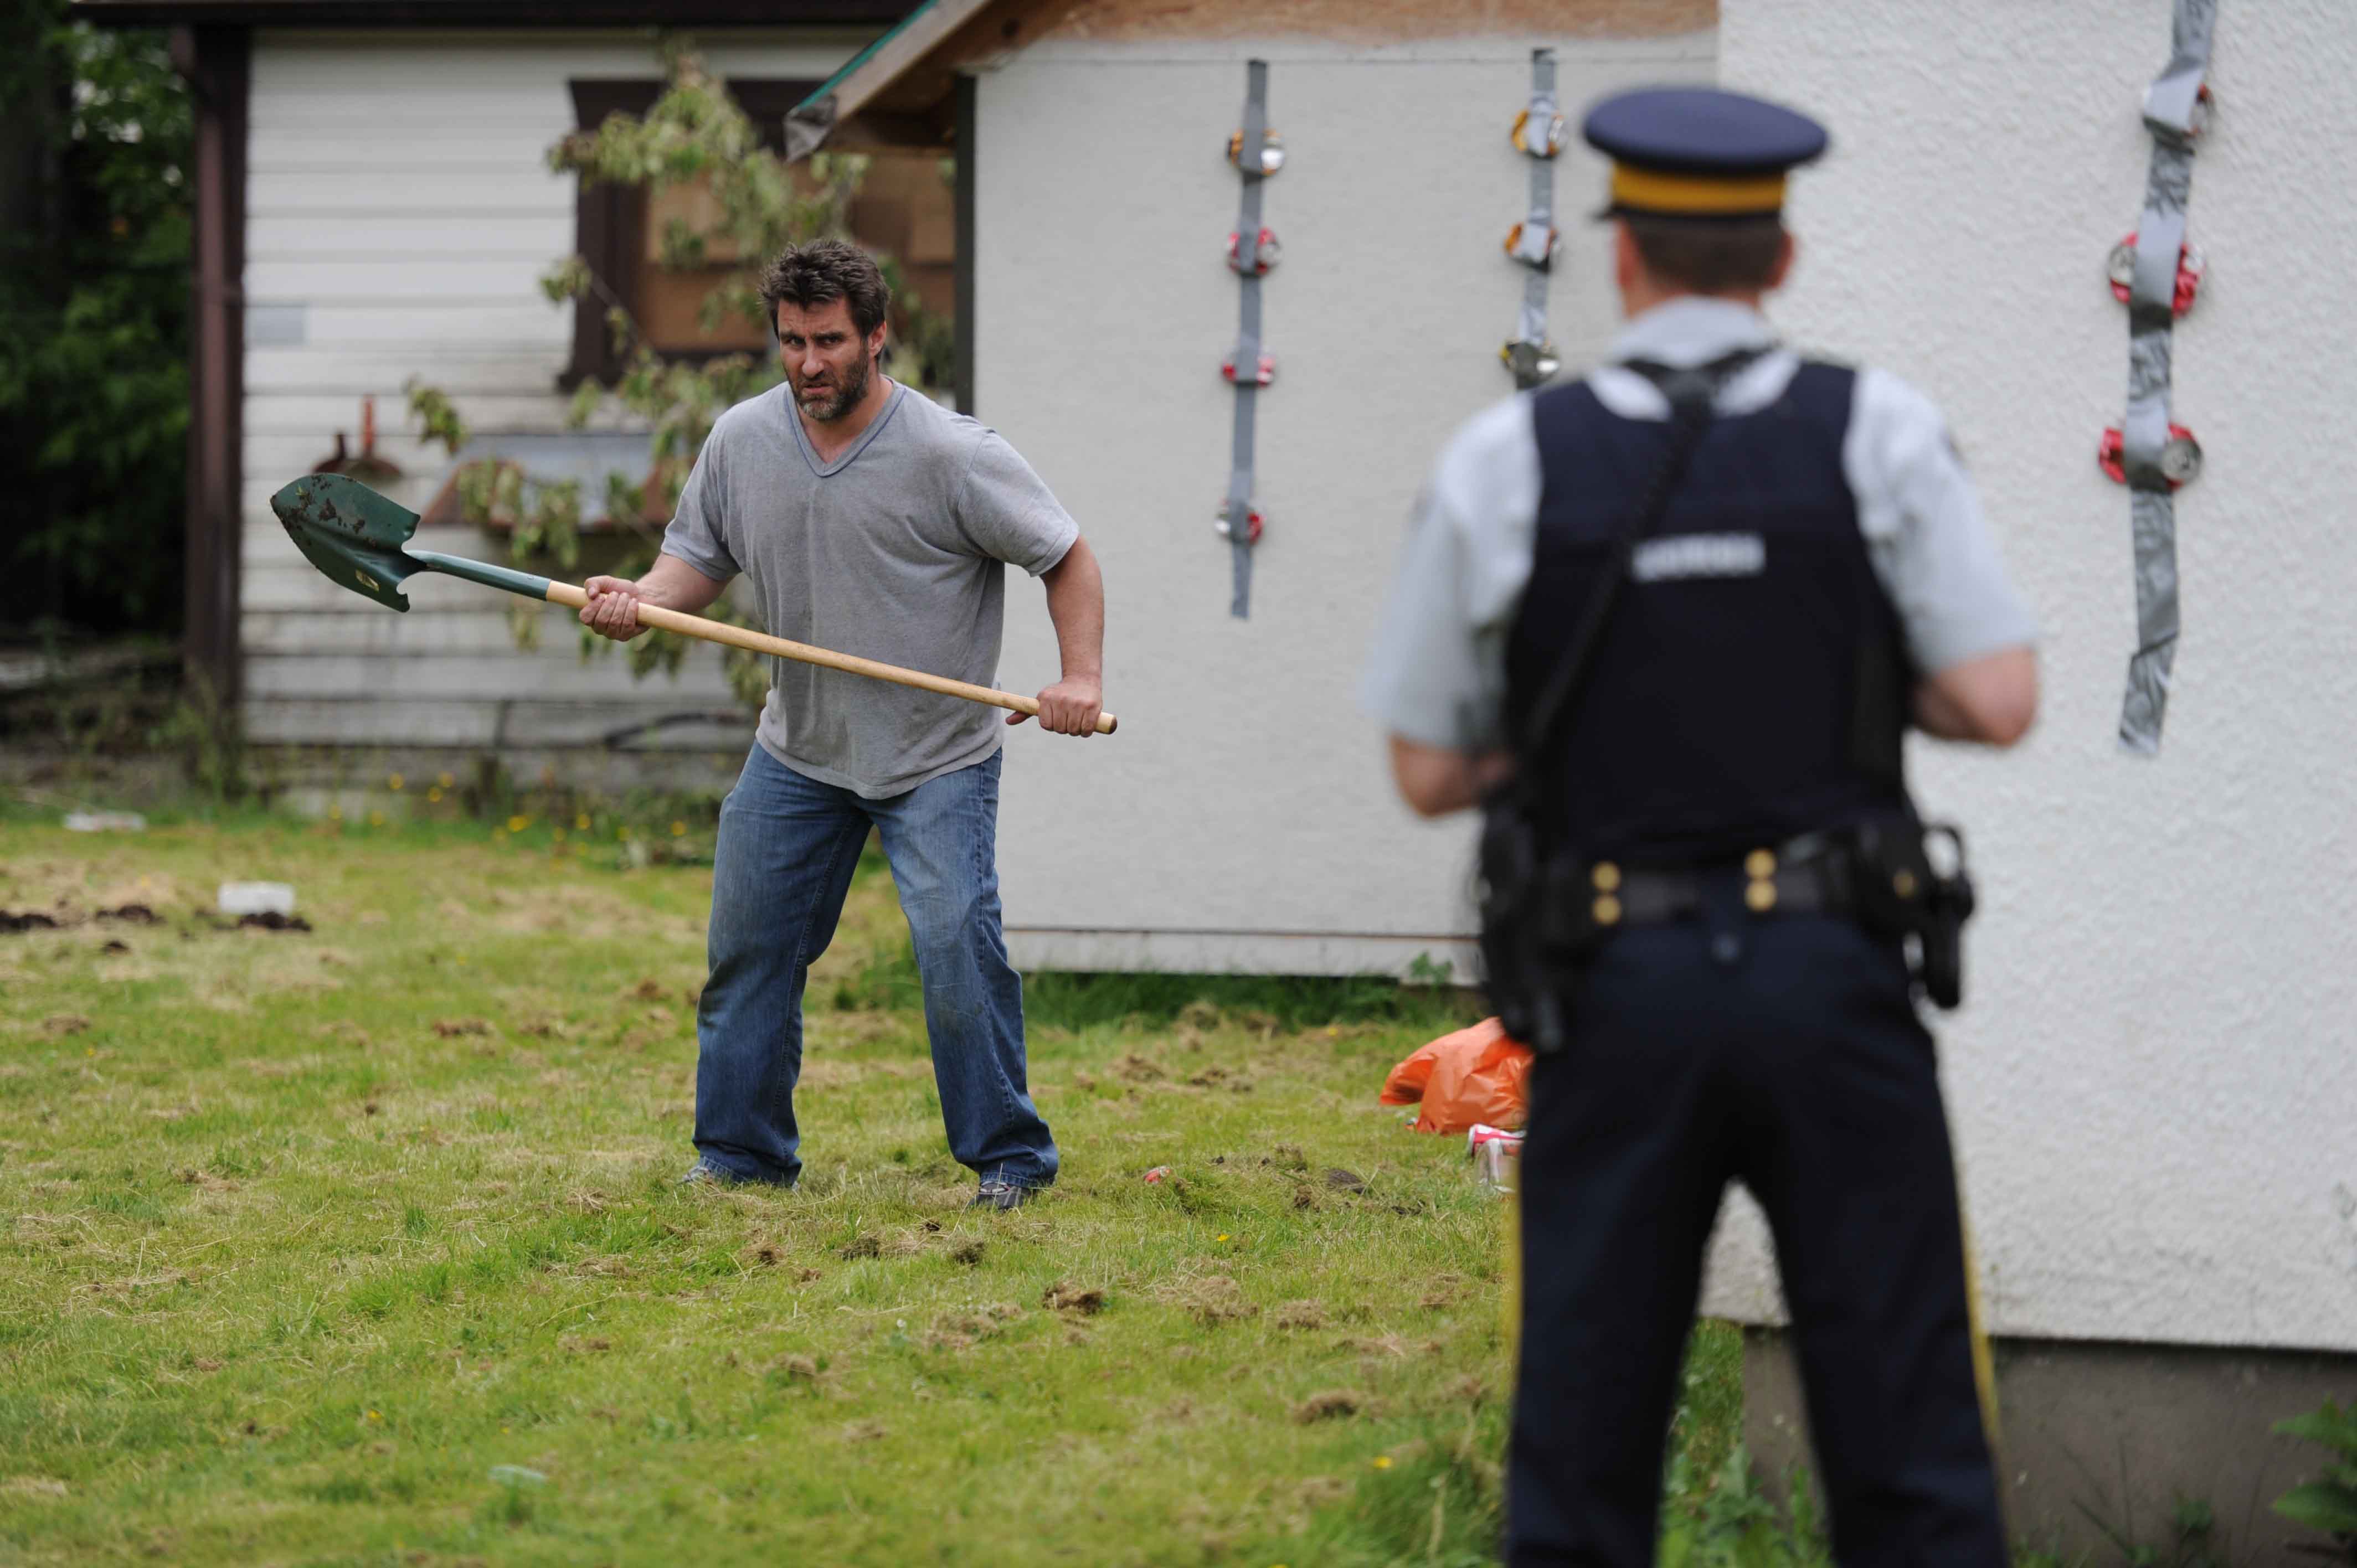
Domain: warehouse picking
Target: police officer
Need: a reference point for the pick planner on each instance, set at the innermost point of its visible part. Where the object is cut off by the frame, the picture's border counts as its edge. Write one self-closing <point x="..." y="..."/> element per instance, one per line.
<point x="1667" y="623"/>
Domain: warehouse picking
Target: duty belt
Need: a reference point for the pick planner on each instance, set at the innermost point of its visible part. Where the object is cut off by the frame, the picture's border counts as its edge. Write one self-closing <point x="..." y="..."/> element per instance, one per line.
<point x="1878" y="873"/>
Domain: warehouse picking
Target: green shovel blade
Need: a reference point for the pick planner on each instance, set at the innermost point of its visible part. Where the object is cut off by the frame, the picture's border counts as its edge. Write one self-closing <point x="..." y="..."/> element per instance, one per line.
<point x="351" y="533"/>
<point x="360" y="539"/>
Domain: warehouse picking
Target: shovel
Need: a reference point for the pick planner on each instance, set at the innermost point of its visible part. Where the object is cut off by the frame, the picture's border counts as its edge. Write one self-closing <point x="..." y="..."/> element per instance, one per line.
<point x="361" y="540"/>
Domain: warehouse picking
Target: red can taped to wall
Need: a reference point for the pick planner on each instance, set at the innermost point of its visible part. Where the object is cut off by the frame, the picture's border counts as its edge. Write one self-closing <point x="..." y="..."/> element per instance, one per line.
<point x="2181" y="456"/>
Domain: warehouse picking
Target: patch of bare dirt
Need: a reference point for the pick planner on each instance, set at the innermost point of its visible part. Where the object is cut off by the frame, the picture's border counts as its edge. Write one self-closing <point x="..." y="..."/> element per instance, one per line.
<point x="907" y="1243"/>
<point x="582" y="914"/>
<point x="1301" y="1314"/>
<point x="1334" y="1404"/>
<point x="608" y="1266"/>
<point x="34" y="1488"/>
<point x="1199" y="1014"/>
<point x="133" y="1287"/>
<point x="1444" y="1292"/>
<point x="1376" y="1347"/>
<point x="1211" y="1300"/>
<point x="1066" y="1296"/>
<point x="962" y="1330"/>
<point x="1319" y="1490"/>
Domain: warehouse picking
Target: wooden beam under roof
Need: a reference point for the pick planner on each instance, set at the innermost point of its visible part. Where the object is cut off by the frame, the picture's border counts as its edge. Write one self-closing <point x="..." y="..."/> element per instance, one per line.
<point x="906" y="79"/>
<point x="485" y="12"/>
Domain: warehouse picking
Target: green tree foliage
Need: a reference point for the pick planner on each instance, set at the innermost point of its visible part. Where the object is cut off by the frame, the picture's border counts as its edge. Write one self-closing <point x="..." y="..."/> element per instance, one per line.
<point x="94" y="245"/>
<point x="695" y="134"/>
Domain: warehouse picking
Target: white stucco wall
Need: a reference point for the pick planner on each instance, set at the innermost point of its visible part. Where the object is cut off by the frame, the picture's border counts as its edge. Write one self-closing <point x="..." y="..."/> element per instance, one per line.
<point x="2153" y="1084"/>
<point x="2154" y="1087"/>
<point x="1241" y="819"/>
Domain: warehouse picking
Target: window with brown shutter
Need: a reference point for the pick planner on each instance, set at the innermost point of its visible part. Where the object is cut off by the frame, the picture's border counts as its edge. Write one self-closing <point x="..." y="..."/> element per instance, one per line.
<point x="906" y="207"/>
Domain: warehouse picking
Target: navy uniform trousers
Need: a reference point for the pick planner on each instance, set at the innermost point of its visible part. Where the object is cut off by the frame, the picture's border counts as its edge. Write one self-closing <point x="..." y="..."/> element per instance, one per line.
<point x="1782" y="1052"/>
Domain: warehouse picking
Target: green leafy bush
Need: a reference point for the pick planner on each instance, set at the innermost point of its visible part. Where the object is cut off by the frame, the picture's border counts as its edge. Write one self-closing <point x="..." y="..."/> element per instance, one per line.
<point x="93" y="321"/>
<point x="2328" y="1503"/>
<point x="1733" y="1524"/>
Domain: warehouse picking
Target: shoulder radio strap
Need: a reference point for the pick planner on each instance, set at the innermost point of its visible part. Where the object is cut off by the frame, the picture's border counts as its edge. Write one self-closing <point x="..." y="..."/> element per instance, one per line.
<point x="1691" y="392"/>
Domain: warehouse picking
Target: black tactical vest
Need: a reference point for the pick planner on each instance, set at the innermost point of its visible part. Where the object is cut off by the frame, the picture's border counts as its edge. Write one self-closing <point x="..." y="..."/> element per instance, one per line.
<point x="1752" y="683"/>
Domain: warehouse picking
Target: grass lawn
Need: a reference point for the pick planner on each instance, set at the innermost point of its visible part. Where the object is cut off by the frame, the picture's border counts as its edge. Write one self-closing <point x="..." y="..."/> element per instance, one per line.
<point x="360" y="1245"/>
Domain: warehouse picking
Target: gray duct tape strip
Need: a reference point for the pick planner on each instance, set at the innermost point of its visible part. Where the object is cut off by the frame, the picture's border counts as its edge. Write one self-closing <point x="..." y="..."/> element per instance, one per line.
<point x="2171" y="111"/>
<point x="1533" y="250"/>
<point x="1247" y="360"/>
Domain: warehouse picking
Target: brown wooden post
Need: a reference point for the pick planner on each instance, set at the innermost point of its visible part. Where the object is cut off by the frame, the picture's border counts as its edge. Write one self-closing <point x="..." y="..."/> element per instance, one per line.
<point x="216" y="61"/>
<point x="964" y="324"/>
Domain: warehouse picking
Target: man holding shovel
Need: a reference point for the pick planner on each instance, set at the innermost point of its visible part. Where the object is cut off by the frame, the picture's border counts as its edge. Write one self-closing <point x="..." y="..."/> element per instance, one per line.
<point x="869" y="519"/>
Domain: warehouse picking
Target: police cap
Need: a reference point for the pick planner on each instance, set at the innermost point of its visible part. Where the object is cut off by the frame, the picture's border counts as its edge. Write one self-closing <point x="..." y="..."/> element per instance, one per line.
<point x="1699" y="152"/>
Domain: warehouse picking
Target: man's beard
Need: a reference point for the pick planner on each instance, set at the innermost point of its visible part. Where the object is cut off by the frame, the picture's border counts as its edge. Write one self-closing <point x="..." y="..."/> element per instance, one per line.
<point x="847" y="395"/>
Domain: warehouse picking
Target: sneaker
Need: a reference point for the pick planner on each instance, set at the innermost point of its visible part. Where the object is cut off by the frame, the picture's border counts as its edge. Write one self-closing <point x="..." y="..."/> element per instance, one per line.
<point x="709" y="1173"/>
<point x="1003" y="1196"/>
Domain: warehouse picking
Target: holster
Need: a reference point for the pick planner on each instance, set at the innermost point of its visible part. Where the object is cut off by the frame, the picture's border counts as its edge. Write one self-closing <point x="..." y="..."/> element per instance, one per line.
<point x="1514" y="902"/>
<point x="1537" y="925"/>
<point x="1896" y="888"/>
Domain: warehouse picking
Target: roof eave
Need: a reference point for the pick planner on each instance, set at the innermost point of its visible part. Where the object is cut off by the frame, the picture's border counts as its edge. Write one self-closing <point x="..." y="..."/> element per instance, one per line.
<point x="887" y="96"/>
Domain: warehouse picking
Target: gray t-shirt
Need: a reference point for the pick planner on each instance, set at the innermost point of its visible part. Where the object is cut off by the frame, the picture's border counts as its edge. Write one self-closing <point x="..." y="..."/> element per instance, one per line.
<point x="892" y="552"/>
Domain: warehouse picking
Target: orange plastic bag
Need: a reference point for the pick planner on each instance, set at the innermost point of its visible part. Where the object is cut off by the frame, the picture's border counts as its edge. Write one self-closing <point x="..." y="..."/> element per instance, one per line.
<point x="1472" y="1075"/>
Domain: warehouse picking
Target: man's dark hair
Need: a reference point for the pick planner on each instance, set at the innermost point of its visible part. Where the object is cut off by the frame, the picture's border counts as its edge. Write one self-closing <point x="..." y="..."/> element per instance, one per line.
<point x="824" y="270"/>
<point x="1709" y="255"/>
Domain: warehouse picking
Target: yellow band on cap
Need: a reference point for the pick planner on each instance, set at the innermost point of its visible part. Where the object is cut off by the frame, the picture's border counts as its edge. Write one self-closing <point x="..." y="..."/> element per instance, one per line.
<point x="1650" y="191"/>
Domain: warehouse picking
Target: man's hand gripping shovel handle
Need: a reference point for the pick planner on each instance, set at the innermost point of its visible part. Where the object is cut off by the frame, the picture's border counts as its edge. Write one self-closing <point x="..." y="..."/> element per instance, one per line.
<point x="802" y="652"/>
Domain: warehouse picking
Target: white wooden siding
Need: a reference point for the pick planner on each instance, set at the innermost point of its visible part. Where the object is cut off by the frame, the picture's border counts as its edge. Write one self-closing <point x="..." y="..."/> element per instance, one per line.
<point x="399" y="202"/>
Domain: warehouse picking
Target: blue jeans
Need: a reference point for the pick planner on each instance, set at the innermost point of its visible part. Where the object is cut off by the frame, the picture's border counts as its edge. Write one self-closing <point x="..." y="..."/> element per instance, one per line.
<point x="787" y="848"/>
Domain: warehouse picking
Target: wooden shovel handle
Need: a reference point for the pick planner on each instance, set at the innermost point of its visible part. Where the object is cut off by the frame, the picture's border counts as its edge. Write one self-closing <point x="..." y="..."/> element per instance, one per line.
<point x="802" y="652"/>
